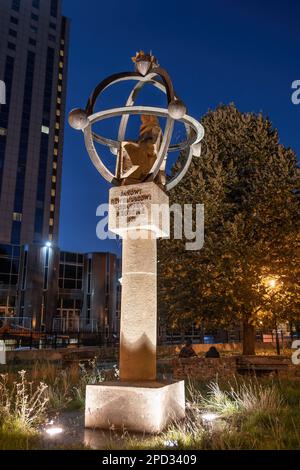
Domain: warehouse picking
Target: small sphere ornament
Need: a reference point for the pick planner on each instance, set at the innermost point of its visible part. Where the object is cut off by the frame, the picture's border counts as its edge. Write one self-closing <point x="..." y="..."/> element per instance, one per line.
<point x="78" y="119"/>
<point x="177" y="109"/>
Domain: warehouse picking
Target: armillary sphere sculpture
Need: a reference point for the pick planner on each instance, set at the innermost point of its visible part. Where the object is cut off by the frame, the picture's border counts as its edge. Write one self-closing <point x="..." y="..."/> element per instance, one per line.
<point x="138" y="402"/>
<point x="149" y="165"/>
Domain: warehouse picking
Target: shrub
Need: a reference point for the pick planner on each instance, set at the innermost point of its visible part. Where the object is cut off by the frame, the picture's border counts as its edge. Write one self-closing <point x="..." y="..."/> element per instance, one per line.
<point x="22" y="405"/>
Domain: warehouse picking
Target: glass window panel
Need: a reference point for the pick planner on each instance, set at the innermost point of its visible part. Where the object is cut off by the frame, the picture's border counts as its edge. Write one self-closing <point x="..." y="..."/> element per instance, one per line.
<point x="14" y="279"/>
<point x="69" y="284"/>
<point x="6" y="250"/>
<point x="5" y="265"/>
<point x="71" y="257"/>
<point x="70" y="271"/>
<point x="4" y="279"/>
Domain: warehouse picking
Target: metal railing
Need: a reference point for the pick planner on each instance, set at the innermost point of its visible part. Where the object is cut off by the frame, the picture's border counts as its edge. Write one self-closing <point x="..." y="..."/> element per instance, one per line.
<point x="72" y="325"/>
<point x="18" y="333"/>
<point x="16" y="322"/>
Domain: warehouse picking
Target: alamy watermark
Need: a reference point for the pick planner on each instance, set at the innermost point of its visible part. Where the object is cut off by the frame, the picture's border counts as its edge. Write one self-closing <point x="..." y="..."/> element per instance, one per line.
<point x="143" y="221"/>
<point x="295" y="97"/>
<point x="2" y="92"/>
<point x="296" y="354"/>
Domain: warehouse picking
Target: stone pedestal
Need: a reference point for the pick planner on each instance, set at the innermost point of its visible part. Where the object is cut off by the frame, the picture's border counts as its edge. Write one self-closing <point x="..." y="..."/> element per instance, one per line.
<point x="138" y="310"/>
<point x="143" y="407"/>
<point x="139" y="214"/>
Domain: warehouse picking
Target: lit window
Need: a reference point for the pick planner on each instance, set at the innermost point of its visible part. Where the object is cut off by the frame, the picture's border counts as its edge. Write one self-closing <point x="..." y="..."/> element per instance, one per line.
<point x="17" y="216"/>
<point x="62" y="41"/>
<point x="51" y="222"/>
<point x="61" y="53"/>
<point x="59" y="88"/>
<point x="53" y="192"/>
<point x="53" y="179"/>
<point x="61" y="65"/>
<point x="50" y="236"/>
<point x="45" y="130"/>
<point x="3" y="131"/>
<point x="57" y="112"/>
<point x="56" y="139"/>
<point x="58" y="100"/>
<point x="55" y="152"/>
<point x="57" y="125"/>
<point x="60" y="76"/>
<point x="52" y="207"/>
<point x="54" y="165"/>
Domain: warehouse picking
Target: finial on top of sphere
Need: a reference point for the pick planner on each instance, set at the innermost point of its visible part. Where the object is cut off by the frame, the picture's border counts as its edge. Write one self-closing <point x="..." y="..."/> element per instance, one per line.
<point x="143" y="62"/>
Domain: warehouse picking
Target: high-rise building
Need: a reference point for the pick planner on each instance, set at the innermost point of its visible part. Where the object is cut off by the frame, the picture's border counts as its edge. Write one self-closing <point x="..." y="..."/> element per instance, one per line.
<point x="41" y="287"/>
<point x="33" y="66"/>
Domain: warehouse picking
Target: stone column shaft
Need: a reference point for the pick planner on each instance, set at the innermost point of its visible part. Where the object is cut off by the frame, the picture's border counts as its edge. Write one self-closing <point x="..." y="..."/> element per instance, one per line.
<point x="139" y="214"/>
<point x="138" y="308"/>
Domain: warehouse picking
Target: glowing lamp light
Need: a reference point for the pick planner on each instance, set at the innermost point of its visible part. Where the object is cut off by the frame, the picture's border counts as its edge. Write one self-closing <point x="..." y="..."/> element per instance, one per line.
<point x="48" y="244"/>
<point x="209" y="417"/>
<point x="272" y="283"/>
<point x="53" y="431"/>
<point x="171" y="443"/>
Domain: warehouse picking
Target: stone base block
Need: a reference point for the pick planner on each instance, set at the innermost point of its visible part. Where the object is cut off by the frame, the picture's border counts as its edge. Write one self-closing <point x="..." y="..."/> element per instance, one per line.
<point x="135" y="406"/>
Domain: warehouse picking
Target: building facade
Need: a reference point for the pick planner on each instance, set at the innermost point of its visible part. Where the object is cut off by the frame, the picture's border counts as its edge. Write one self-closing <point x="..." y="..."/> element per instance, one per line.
<point x="45" y="289"/>
<point x="33" y="66"/>
<point x="41" y="287"/>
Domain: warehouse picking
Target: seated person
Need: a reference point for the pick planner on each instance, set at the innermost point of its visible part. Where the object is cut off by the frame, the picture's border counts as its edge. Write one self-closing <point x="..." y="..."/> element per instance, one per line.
<point x="212" y="352"/>
<point x="187" y="350"/>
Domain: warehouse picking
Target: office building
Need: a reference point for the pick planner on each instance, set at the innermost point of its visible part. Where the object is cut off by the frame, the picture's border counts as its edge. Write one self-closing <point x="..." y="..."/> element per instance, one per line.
<point x="45" y="289"/>
<point x="33" y="66"/>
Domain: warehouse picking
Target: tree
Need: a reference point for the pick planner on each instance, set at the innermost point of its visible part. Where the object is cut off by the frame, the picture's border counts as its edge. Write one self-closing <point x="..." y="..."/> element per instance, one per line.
<point x="249" y="184"/>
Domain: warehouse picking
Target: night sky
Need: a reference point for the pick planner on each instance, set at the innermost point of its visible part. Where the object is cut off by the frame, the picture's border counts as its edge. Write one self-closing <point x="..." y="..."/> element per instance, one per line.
<point x="246" y="52"/>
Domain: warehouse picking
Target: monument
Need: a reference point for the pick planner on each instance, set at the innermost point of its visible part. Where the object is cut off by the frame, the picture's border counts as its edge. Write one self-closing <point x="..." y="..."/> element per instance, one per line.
<point x="139" y="213"/>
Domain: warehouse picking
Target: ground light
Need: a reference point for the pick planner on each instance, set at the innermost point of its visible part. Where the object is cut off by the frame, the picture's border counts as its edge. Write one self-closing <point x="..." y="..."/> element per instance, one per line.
<point x="170" y="443"/>
<point x="53" y="431"/>
<point x="212" y="422"/>
<point x="209" y="417"/>
<point x="272" y="283"/>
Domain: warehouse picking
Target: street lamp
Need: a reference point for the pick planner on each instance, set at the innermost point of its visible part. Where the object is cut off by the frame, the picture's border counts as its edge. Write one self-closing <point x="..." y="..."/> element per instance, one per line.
<point x="272" y="284"/>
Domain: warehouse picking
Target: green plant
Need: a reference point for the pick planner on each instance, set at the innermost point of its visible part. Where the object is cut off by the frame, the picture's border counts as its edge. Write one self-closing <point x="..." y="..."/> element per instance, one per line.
<point x="242" y="397"/>
<point x="59" y="392"/>
<point x="22" y="406"/>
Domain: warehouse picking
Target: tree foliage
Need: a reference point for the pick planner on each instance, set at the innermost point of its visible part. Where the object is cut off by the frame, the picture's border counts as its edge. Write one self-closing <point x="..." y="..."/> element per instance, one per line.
<point x="249" y="184"/>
